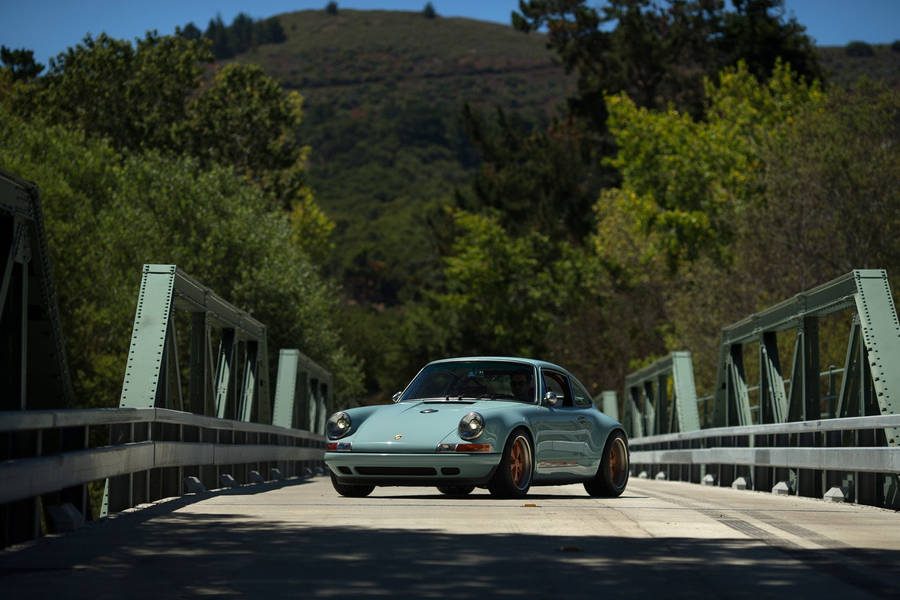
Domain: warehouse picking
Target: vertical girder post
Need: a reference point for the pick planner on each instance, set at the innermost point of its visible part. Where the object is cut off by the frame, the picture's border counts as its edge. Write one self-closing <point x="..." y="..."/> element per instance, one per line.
<point x="663" y="422"/>
<point x="738" y="398"/>
<point x="248" y="388"/>
<point x="772" y="399"/>
<point x="880" y="329"/>
<point x="223" y="372"/>
<point x="149" y="334"/>
<point x="685" y="402"/>
<point x="609" y="404"/>
<point x="649" y="409"/>
<point x="23" y="348"/>
<point x="198" y="387"/>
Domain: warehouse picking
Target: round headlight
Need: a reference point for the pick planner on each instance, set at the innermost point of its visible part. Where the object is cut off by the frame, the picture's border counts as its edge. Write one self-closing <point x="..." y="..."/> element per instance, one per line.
<point x="471" y="426"/>
<point x="338" y="425"/>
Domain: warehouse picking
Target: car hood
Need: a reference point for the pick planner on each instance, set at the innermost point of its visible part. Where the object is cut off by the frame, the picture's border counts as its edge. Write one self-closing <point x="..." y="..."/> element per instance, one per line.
<point x="415" y="427"/>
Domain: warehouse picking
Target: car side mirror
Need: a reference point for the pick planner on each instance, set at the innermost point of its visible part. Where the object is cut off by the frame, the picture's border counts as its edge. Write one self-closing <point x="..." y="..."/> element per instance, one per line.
<point x="552" y="400"/>
<point x="396" y="397"/>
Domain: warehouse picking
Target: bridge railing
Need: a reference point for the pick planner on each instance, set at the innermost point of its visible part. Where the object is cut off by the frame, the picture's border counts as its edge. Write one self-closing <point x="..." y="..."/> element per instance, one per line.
<point x="807" y="458"/>
<point x="145" y="454"/>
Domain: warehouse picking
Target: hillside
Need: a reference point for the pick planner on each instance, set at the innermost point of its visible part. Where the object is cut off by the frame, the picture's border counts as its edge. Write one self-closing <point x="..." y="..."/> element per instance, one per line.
<point x="383" y="93"/>
<point x="883" y="65"/>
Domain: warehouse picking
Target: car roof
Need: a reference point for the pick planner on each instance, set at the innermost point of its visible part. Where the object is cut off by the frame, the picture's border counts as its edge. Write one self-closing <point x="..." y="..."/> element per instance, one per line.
<point x="531" y="361"/>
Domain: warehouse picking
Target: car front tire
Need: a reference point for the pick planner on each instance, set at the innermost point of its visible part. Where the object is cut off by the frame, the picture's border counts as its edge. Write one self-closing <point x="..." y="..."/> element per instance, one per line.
<point x="612" y="475"/>
<point x="516" y="469"/>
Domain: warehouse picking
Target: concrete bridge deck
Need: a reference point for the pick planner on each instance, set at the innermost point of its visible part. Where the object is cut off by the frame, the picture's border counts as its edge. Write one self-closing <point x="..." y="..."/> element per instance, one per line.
<point x="300" y="539"/>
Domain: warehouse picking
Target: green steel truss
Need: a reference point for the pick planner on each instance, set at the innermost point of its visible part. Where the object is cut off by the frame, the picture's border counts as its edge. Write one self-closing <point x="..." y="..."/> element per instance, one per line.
<point x="648" y="410"/>
<point x="232" y="383"/>
<point x="871" y="381"/>
<point x="302" y="392"/>
<point x="34" y="372"/>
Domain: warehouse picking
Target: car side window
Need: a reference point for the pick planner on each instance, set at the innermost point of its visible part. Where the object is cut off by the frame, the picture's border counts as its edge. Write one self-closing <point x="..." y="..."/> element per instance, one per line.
<point x="582" y="396"/>
<point x="559" y="385"/>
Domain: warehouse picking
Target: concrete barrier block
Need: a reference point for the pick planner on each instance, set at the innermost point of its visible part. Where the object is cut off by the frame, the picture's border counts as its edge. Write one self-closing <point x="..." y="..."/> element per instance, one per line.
<point x="709" y="479"/>
<point x="643" y="475"/>
<point x="739" y="484"/>
<point x="782" y="489"/>
<point x="255" y="477"/>
<point x="835" y="494"/>
<point x="307" y="473"/>
<point x="276" y="474"/>
<point x="192" y="485"/>
<point x="661" y="476"/>
<point x="228" y="481"/>
<point x="64" y="517"/>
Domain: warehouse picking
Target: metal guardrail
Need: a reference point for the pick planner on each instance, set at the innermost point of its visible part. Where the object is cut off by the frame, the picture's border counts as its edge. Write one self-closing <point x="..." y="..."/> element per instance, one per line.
<point x="144" y="440"/>
<point x="830" y="452"/>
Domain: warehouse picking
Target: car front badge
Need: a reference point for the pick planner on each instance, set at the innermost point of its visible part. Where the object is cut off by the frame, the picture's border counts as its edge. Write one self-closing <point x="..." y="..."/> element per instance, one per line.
<point x="398" y="436"/>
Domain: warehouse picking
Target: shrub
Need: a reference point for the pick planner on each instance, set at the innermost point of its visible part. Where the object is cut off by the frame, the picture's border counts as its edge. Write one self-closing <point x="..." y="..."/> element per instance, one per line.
<point x="859" y="49"/>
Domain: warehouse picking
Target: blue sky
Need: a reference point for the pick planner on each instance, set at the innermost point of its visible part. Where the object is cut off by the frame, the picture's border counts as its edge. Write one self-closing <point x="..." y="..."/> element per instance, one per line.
<point x="50" y="26"/>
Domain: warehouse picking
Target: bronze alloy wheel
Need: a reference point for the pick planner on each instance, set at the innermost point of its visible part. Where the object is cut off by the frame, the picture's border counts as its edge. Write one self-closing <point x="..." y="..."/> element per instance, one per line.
<point x="520" y="462"/>
<point x="618" y="462"/>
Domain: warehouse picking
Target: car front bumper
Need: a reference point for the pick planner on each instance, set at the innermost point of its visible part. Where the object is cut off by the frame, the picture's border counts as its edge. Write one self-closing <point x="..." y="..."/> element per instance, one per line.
<point x="412" y="469"/>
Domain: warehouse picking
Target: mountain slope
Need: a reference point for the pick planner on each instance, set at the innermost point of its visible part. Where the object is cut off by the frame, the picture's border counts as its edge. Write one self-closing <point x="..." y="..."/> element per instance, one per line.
<point x="383" y="93"/>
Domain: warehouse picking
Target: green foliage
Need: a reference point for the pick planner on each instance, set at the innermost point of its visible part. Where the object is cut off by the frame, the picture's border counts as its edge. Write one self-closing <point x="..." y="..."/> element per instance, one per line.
<point x="108" y="213"/>
<point x="428" y="12"/>
<point x="658" y="52"/>
<point x="535" y="181"/>
<point x="687" y="182"/>
<point x="791" y="185"/>
<point x="132" y="96"/>
<point x="331" y="8"/>
<point x="21" y="63"/>
<point x="895" y="46"/>
<point x="498" y="297"/>
<point x="245" y="120"/>
<point x="859" y="50"/>
<point x="152" y="96"/>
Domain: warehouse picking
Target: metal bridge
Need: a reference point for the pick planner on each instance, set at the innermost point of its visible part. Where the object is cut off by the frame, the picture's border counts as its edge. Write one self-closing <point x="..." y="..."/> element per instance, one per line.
<point x="769" y="486"/>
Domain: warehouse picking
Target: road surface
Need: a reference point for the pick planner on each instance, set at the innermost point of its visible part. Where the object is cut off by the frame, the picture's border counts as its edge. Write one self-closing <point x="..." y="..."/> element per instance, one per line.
<point x="300" y="539"/>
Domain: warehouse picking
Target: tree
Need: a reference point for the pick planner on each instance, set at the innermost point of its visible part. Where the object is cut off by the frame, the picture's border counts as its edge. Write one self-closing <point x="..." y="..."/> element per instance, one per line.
<point x="21" y="63"/>
<point x="245" y="120"/>
<point x="108" y="212"/>
<point x="534" y="181"/>
<point x="428" y="12"/>
<point x="222" y="43"/>
<point x="134" y="96"/>
<point x="658" y="52"/>
<point x="241" y="33"/>
<point x="190" y="31"/>
<point x="688" y="181"/>
<point x="859" y="50"/>
<point x="270" y="31"/>
<point x="331" y="8"/>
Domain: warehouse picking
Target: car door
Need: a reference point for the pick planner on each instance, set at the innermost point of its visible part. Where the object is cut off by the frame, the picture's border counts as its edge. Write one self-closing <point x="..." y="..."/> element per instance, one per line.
<point x="561" y="431"/>
<point x="590" y="431"/>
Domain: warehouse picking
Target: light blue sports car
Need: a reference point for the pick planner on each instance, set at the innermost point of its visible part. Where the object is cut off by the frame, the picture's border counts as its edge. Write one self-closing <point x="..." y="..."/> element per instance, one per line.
<point x="496" y="422"/>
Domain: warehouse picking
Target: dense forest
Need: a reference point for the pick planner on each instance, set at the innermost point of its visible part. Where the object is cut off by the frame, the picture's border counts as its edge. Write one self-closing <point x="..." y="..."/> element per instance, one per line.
<point x="592" y="186"/>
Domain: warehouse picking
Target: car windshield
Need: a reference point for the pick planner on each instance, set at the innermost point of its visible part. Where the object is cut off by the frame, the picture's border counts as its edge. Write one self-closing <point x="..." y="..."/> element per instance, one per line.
<point x="477" y="379"/>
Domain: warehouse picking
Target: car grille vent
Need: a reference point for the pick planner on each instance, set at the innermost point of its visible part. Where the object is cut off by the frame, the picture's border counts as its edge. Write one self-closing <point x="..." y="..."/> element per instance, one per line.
<point x="413" y="471"/>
